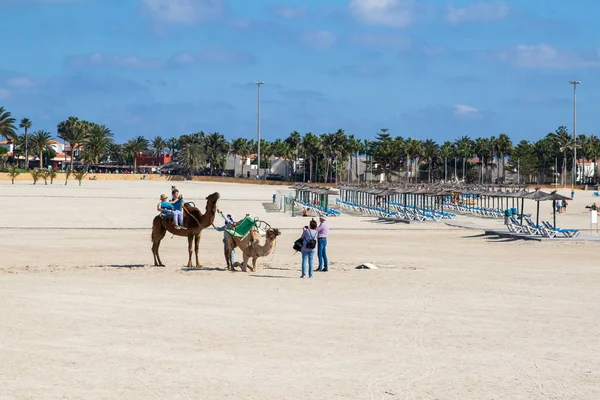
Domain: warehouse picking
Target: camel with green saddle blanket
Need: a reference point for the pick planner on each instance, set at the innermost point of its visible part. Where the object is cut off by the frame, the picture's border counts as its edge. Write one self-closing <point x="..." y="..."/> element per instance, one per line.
<point x="247" y="235"/>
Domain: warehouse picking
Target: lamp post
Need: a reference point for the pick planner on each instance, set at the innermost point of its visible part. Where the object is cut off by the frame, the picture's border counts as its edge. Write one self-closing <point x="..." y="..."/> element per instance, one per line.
<point x="574" y="178"/>
<point x="258" y="167"/>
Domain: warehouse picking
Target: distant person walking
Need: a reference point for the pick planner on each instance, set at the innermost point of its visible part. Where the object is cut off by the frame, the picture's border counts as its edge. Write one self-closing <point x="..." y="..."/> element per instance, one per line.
<point x="309" y="242"/>
<point x="564" y="205"/>
<point x="323" y="230"/>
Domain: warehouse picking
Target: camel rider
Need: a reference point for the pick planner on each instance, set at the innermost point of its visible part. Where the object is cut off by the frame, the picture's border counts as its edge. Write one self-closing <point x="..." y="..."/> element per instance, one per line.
<point x="229" y="224"/>
<point x="177" y="202"/>
<point x="167" y="209"/>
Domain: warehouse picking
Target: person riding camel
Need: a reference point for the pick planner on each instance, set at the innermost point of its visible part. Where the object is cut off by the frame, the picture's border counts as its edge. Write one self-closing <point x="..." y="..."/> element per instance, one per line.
<point x="167" y="209"/>
<point x="177" y="202"/>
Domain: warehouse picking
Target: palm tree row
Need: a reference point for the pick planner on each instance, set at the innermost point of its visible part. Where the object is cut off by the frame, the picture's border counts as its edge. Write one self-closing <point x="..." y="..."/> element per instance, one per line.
<point x="329" y="156"/>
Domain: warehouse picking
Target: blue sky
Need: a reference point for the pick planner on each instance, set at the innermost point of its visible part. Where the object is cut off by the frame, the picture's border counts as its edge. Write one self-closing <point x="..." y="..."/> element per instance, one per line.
<point x="423" y="69"/>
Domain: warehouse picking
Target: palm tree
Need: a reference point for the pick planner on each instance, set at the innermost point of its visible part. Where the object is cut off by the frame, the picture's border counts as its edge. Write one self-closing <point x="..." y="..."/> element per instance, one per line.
<point x="285" y="153"/>
<point x="217" y="149"/>
<point x="192" y="157"/>
<point x="445" y="152"/>
<point x="26" y="124"/>
<point x="503" y="146"/>
<point x="294" y="141"/>
<point x="328" y="148"/>
<point x="244" y="152"/>
<point x="311" y="146"/>
<point x="590" y="146"/>
<point x="40" y="141"/>
<point x="36" y="174"/>
<point x="237" y="146"/>
<point x="98" y="142"/>
<point x="114" y="152"/>
<point x="484" y="150"/>
<point x="7" y="125"/>
<point x="13" y="172"/>
<point x="430" y="153"/>
<point x="134" y="147"/>
<point x="464" y="149"/>
<point x="172" y="144"/>
<point x="565" y="142"/>
<point x="74" y="132"/>
<point x="158" y="145"/>
<point x="353" y="147"/>
<point x="80" y="174"/>
<point x="413" y="149"/>
<point x="544" y="149"/>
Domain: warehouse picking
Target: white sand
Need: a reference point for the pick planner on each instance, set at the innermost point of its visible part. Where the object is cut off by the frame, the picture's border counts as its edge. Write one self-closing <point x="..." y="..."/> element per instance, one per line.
<point x="448" y="315"/>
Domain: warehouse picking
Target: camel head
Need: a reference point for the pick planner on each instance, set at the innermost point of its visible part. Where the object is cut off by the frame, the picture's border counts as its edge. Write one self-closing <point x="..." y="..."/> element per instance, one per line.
<point x="211" y="202"/>
<point x="272" y="233"/>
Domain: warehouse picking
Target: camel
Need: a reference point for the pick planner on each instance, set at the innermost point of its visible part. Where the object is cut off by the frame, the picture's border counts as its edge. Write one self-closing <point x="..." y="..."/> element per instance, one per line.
<point x="194" y="222"/>
<point x="251" y="247"/>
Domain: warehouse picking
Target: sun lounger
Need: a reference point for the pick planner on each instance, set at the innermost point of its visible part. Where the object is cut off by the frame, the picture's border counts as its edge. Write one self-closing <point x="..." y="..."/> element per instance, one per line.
<point x="565" y="232"/>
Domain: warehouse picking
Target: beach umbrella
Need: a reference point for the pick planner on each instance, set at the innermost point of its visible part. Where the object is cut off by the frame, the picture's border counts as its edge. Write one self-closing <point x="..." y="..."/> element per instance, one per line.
<point x="538" y="196"/>
<point x="556" y="197"/>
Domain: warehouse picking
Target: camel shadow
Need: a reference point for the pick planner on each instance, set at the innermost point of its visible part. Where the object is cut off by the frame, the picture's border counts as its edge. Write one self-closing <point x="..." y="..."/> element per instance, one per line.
<point x="130" y="266"/>
<point x="186" y="269"/>
<point x="271" y="276"/>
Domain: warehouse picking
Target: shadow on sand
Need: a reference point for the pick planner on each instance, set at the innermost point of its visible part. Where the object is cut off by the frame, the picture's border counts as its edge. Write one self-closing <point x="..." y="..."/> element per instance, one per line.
<point x="474" y="236"/>
<point x="272" y="276"/>
<point x="186" y="269"/>
<point x="121" y="266"/>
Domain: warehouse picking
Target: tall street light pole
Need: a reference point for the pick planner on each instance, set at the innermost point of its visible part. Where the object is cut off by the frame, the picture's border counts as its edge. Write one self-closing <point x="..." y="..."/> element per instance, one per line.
<point x="574" y="178"/>
<point x="258" y="169"/>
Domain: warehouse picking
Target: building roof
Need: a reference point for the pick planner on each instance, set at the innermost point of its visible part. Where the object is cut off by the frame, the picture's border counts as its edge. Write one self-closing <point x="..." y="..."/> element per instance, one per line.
<point x="54" y="142"/>
<point x="62" y="157"/>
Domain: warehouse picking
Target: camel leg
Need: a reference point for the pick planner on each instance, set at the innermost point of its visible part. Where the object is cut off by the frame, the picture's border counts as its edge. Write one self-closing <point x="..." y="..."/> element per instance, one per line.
<point x="158" y="233"/>
<point x="253" y="269"/>
<point x="190" y="238"/>
<point x="157" y="262"/>
<point x="196" y="246"/>
<point x="245" y="263"/>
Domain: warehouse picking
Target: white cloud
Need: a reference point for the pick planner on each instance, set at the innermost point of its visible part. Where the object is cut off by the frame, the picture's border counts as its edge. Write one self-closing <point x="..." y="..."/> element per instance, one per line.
<point x="288" y="12"/>
<point x="479" y="11"/>
<point x="391" y="13"/>
<point x="543" y="56"/>
<point x="183" y="11"/>
<point x="321" y="40"/>
<point x="21" y="82"/>
<point x="4" y="94"/>
<point x="381" y="40"/>
<point x="465" y="110"/>
<point x="112" y="60"/>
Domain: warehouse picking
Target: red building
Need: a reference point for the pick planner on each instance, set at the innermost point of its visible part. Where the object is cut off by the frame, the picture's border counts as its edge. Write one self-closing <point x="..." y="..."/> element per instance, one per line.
<point x="147" y="160"/>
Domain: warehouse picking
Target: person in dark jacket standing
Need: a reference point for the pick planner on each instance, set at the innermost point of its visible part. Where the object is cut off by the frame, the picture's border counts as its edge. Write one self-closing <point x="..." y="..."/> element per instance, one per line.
<point x="309" y="237"/>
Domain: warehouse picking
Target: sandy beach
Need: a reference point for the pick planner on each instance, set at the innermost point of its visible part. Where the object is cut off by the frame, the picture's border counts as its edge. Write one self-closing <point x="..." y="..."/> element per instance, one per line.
<point x="449" y="313"/>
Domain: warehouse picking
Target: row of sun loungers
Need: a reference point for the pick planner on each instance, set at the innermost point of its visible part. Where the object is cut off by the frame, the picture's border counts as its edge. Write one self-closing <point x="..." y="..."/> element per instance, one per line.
<point x="313" y="208"/>
<point x="397" y="212"/>
<point x="486" y="212"/>
<point x="546" y="230"/>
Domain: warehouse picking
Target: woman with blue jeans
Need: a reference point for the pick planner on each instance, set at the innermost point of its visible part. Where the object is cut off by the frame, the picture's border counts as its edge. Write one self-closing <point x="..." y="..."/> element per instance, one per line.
<point x="309" y="236"/>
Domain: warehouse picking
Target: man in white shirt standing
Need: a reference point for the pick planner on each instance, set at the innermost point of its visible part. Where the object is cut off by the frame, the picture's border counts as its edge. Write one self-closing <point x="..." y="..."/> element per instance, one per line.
<point x="323" y="230"/>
